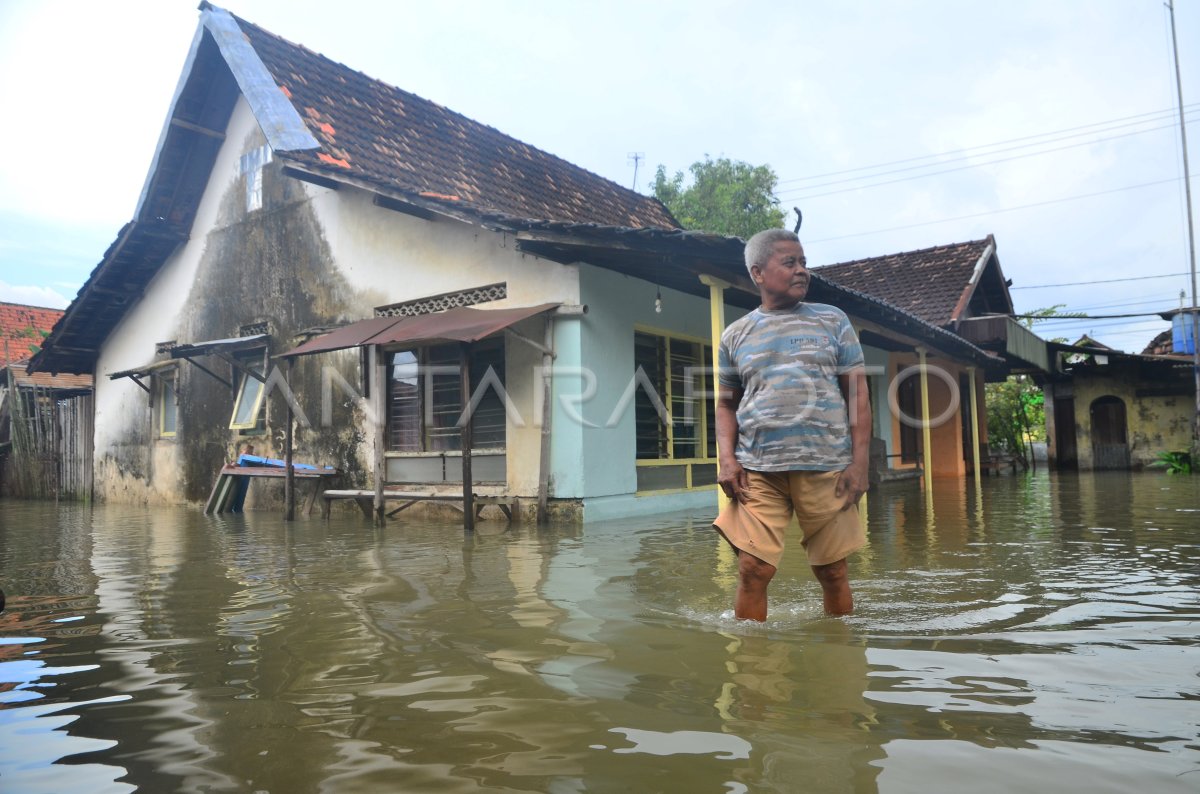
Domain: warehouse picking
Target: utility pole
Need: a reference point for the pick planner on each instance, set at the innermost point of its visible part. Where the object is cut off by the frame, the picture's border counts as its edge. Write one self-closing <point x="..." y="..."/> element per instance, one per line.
<point x="636" y="157"/>
<point x="1187" y="192"/>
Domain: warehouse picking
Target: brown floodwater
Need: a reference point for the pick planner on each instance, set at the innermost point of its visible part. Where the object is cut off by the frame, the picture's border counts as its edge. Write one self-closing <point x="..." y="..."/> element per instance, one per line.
<point x="1039" y="633"/>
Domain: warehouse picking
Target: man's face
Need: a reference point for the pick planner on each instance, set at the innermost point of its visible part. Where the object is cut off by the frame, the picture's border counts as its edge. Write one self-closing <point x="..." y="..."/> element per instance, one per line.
<point x="783" y="280"/>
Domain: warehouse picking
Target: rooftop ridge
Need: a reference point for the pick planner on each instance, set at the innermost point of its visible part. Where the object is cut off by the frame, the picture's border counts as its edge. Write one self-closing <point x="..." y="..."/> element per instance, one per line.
<point x="639" y="203"/>
<point x="944" y="247"/>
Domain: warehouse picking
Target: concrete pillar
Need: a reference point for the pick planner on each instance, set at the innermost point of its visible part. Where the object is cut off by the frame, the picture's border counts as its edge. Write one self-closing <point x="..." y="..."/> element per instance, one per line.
<point x="926" y="435"/>
<point x="974" y="423"/>
<point x="716" y="315"/>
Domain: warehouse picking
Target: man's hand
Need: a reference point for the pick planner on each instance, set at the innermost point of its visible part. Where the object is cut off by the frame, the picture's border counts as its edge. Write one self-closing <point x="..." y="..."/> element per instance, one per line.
<point x="852" y="483"/>
<point x="733" y="479"/>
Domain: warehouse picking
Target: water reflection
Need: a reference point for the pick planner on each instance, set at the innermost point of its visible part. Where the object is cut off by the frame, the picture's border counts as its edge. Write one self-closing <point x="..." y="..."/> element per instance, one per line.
<point x="1028" y="629"/>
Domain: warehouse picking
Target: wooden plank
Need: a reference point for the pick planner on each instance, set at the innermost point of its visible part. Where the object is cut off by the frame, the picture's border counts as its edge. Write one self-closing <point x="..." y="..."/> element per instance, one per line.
<point x="509" y="505"/>
<point x="464" y="363"/>
<point x="277" y="471"/>
<point x="210" y="505"/>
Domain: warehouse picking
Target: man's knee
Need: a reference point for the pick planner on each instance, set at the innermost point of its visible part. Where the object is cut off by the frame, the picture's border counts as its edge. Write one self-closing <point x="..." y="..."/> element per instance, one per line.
<point x="753" y="571"/>
<point x="835" y="574"/>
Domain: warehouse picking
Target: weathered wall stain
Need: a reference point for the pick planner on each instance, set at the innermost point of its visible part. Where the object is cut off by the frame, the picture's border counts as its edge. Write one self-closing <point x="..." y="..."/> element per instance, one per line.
<point x="268" y="265"/>
<point x="1153" y="423"/>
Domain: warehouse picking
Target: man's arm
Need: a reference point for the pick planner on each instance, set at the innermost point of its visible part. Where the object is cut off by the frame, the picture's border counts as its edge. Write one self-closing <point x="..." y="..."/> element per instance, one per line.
<point x="731" y="476"/>
<point x="853" y="482"/>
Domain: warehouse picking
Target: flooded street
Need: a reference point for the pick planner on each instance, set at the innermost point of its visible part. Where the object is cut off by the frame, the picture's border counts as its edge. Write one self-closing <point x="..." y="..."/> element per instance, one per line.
<point x="1040" y="633"/>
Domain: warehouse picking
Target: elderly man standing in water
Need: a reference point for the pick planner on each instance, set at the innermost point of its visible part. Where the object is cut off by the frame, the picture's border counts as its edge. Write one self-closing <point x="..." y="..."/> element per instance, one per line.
<point x="794" y="430"/>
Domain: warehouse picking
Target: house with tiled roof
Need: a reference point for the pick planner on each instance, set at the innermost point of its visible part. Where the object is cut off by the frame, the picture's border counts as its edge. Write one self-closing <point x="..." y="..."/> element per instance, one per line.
<point x="34" y="410"/>
<point x="317" y="258"/>
<point x="22" y="329"/>
<point x="959" y="287"/>
<point x="1108" y="409"/>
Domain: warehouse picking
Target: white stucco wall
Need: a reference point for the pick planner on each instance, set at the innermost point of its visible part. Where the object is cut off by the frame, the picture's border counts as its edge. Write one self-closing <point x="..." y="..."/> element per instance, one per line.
<point x="384" y="257"/>
<point x="123" y="415"/>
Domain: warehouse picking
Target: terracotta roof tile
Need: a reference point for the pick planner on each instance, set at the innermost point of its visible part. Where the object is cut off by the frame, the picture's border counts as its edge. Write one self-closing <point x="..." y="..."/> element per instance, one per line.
<point x="391" y="138"/>
<point x="928" y="283"/>
<point x="43" y="380"/>
<point x="16" y="336"/>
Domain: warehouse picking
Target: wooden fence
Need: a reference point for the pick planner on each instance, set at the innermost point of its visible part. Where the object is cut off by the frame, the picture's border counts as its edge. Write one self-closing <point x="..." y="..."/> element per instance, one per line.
<point x="48" y="454"/>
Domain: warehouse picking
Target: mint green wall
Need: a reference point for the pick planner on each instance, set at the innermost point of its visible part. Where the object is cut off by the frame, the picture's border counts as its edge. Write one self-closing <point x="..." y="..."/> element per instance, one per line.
<point x="878" y="359"/>
<point x="617" y="303"/>
<point x="566" y="441"/>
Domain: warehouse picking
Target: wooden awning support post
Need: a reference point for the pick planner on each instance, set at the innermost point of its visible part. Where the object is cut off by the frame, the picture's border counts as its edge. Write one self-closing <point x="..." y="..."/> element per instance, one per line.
<point x="543" y="505"/>
<point x="378" y="363"/>
<point x="289" y="483"/>
<point x="974" y="424"/>
<point x="464" y="364"/>
<point x="926" y="453"/>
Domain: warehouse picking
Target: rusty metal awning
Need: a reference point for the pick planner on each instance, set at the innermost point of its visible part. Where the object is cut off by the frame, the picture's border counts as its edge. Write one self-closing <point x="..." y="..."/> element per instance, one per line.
<point x="231" y="345"/>
<point x="137" y="373"/>
<point x="355" y="334"/>
<point x="61" y="385"/>
<point x="224" y="349"/>
<point x="461" y="324"/>
<point x="144" y="370"/>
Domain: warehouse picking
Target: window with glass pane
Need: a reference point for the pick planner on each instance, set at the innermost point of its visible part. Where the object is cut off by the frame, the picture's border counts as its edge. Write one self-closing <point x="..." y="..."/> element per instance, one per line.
<point x="248" y="406"/>
<point x="433" y="374"/>
<point x="651" y="433"/>
<point x="404" y="402"/>
<point x="686" y="408"/>
<point x="167" y="406"/>
<point x="680" y="371"/>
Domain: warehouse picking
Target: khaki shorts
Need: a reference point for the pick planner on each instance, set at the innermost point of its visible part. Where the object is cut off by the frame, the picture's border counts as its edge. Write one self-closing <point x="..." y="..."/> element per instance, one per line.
<point x="757" y="525"/>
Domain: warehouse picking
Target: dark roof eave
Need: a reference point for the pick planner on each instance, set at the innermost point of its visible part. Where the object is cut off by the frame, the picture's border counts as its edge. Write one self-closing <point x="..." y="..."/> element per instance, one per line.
<point x="728" y="252"/>
<point x="74" y="343"/>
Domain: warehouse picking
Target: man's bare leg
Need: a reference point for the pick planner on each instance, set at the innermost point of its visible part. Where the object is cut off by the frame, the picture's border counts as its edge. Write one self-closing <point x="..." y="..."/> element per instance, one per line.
<point x="835" y="582"/>
<point x="753" y="577"/>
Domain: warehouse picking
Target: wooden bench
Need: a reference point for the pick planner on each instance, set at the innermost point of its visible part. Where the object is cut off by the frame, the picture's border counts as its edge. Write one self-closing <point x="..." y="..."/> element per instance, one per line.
<point x="230" y="487"/>
<point x="509" y="505"/>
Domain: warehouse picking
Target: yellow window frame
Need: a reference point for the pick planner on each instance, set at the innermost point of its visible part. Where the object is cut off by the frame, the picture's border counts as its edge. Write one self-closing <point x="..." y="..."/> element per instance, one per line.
<point x="165" y="392"/>
<point x="701" y="420"/>
<point x="250" y="422"/>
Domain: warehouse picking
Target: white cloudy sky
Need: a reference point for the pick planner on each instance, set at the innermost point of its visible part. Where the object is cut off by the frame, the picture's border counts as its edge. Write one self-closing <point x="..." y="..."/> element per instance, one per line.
<point x="1050" y="123"/>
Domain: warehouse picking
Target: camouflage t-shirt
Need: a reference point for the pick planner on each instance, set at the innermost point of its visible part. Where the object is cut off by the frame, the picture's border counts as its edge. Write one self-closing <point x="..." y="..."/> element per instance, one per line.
<point x="786" y="362"/>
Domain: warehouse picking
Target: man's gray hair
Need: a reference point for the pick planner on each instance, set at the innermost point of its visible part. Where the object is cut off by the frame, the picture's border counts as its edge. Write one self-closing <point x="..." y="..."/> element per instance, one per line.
<point x="760" y="246"/>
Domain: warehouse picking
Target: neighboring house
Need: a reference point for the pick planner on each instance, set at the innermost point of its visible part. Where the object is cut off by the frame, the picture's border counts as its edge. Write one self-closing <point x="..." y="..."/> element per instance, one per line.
<point x="293" y="201"/>
<point x="961" y="289"/>
<point x="22" y="329"/>
<point x="43" y="448"/>
<point x="1106" y="409"/>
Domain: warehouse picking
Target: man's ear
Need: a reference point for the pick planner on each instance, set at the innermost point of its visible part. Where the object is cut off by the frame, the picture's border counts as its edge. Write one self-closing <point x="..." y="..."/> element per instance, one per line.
<point x="755" y="273"/>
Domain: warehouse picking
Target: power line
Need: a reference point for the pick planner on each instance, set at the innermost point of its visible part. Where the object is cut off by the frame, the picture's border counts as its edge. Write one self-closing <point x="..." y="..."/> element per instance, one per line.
<point x="1102" y="281"/>
<point x="794" y="192"/>
<point x="1145" y="326"/>
<point x="1170" y="112"/>
<point x="1061" y="318"/>
<point x="1157" y="301"/>
<point x="999" y="211"/>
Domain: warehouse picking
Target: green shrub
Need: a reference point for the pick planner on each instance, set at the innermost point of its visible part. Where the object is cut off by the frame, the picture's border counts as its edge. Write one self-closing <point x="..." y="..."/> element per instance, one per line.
<point x="1174" y="462"/>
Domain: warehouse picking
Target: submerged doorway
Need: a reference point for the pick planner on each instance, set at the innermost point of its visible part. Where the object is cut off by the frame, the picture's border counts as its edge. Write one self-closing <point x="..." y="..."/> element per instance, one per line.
<point x="1110" y="447"/>
<point x="1064" y="433"/>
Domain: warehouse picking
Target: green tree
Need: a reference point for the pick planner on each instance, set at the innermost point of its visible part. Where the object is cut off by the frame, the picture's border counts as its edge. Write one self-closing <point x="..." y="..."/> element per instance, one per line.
<point x="1016" y="416"/>
<point x="725" y="197"/>
<point x="1016" y="408"/>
